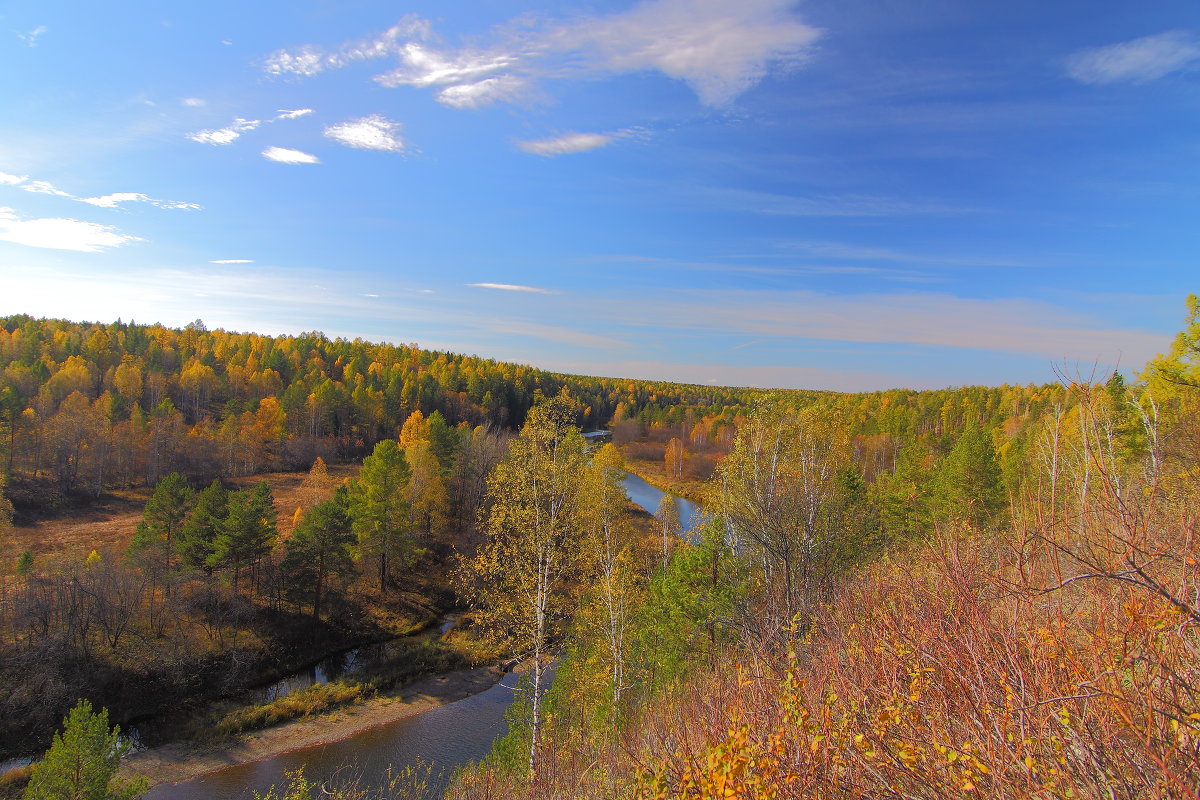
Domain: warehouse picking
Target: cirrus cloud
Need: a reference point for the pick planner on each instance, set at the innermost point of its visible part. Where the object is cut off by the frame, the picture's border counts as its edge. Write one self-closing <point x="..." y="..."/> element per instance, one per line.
<point x="1136" y="61"/>
<point x="565" y="144"/>
<point x="513" y="287"/>
<point x="717" y="48"/>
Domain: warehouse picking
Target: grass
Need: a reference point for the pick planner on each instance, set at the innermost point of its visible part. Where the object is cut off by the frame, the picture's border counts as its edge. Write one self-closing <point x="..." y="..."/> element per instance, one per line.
<point x="412" y="659"/>
<point x="308" y="702"/>
<point x="12" y="783"/>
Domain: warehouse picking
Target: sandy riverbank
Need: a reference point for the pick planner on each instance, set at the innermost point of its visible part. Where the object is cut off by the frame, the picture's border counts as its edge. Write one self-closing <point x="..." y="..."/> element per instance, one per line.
<point x="181" y="761"/>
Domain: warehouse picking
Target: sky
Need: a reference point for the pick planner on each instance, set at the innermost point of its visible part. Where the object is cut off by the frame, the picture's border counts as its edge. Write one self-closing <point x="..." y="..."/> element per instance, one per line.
<point x="835" y="194"/>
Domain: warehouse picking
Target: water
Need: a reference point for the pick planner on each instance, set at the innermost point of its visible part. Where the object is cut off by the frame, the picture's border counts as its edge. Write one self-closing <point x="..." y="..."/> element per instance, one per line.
<point x="447" y="736"/>
<point x="649" y="497"/>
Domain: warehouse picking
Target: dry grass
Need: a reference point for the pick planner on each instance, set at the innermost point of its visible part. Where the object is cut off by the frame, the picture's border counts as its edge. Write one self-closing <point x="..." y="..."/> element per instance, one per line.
<point x="109" y="523"/>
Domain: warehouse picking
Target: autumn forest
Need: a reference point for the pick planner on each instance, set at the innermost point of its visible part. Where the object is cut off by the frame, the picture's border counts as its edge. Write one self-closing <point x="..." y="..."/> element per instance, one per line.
<point x="978" y="591"/>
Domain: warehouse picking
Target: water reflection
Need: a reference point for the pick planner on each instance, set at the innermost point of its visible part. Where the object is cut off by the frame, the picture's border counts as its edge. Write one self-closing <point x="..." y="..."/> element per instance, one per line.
<point x="448" y="736"/>
<point x="649" y="497"/>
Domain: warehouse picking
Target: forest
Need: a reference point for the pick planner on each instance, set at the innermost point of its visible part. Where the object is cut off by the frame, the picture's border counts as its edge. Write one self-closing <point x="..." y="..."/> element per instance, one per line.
<point x="980" y="591"/>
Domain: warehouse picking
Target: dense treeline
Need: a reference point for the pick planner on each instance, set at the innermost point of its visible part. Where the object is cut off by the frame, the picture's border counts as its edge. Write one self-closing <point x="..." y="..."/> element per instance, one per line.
<point x="86" y="406"/>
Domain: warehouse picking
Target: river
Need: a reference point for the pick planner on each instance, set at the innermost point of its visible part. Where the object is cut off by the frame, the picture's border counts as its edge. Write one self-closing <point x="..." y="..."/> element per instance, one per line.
<point x="448" y="736"/>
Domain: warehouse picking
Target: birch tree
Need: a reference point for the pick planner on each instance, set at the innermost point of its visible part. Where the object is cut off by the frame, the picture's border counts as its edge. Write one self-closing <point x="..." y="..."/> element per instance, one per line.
<point x="517" y="581"/>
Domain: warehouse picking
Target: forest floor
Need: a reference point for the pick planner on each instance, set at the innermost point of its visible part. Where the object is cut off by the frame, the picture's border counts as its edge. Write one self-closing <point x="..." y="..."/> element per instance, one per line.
<point x="110" y="521"/>
<point x="181" y="761"/>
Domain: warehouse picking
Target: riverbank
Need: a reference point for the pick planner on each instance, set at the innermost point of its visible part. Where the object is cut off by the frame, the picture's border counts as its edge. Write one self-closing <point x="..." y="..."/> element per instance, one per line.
<point x="698" y="492"/>
<point x="181" y="761"/>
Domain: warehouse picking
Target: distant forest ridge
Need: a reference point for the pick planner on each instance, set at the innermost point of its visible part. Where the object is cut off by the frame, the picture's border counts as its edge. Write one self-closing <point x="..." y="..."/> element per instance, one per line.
<point x="84" y="406"/>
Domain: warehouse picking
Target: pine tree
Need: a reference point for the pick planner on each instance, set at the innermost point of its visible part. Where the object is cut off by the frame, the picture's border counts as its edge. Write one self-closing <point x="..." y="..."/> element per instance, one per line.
<point x="379" y="511"/>
<point x="82" y="762"/>
<point x="319" y="549"/>
<point x="163" y="517"/>
<point x="968" y="484"/>
<point x="197" y="538"/>
<point x="248" y="532"/>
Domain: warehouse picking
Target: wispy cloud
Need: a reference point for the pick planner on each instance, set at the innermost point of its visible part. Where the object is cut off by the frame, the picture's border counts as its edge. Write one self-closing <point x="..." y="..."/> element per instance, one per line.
<point x="285" y="155"/>
<point x="33" y="36"/>
<point x="114" y="201"/>
<point x="309" y="60"/>
<point x="57" y="233"/>
<point x="1012" y="325"/>
<point x="483" y="93"/>
<point x="232" y="261"/>
<point x="565" y="144"/>
<point x="1138" y="60"/>
<point x="719" y="49"/>
<point x="853" y="252"/>
<point x="105" y="201"/>
<point x="292" y="114"/>
<point x="558" y="334"/>
<point x="43" y="187"/>
<point x="227" y="135"/>
<point x="512" y="287"/>
<point x="375" y="132"/>
<point x="194" y="102"/>
<point x="835" y="205"/>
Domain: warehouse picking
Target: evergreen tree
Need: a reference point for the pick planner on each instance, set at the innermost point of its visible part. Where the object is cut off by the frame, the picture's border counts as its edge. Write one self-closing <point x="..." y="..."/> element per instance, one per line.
<point x="968" y="484"/>
<point x="319" y="549"/>
<point x="163" y="517"/>
<point x="248" y="533"/>
<point x="380" y="513"/>
<point x="198" y="536"/>
<point x="82" y="762"/>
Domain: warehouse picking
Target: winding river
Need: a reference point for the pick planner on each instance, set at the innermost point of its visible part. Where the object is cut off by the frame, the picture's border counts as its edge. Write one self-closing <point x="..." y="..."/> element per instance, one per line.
<point x="448" y="736"/>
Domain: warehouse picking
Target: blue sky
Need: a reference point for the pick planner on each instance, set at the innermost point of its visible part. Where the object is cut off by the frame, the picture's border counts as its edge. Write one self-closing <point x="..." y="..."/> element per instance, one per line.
<point x="832" y="194"/>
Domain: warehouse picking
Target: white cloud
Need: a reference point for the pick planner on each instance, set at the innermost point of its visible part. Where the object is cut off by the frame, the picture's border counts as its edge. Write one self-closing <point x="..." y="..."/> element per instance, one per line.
<point x="44" y="187"/>
<point x="114" y="201"/>
<point x="233" y="261"/>
<point x="563" y="145"/>
<point x="32" y="37"/>
<point x="226" y="135"/>
<point x="308" y="60"/>
<point x="719" y="49"/>
<point x="60" y="234"/>
<point x="104" y="201"/>
<point x="286" y="156"/>
<point x="375" y="132"/>
<point x="194" y="102"/>
<point x="422" y="66"/>
<point x="1136" y="61"/>
<point x="512" y="287"/>
<point x="293" y="114"/>
<point x="482" y="93"/>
